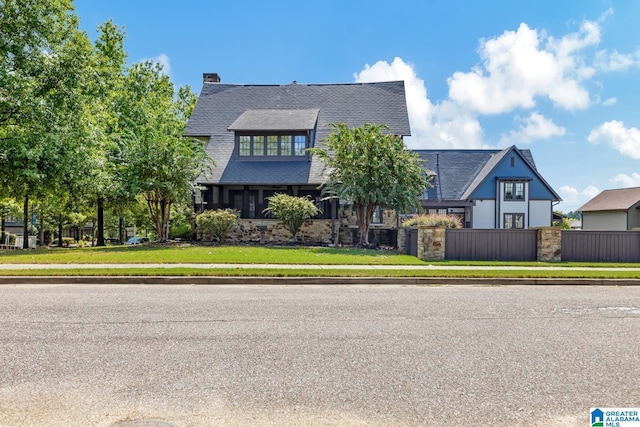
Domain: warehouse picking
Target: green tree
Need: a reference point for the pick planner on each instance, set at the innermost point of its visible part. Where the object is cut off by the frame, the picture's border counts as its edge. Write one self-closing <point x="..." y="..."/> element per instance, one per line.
<point x="43" y="61"/>
<point x="369" y="166"/>
<point x="156" y="161"/>
<point x="292" y="211"/>
<point x="103" y="113"/>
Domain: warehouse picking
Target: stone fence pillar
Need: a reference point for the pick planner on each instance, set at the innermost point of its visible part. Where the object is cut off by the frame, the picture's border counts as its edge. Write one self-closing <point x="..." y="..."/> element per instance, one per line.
<point x="431" y="243"/>
<point x="549" y="246"/>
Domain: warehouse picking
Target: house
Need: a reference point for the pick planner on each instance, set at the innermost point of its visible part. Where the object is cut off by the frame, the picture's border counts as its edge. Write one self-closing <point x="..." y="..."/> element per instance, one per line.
<point x="257" y="136"/>
<point x="488" y="188"/>
<point x="617" y="209"/>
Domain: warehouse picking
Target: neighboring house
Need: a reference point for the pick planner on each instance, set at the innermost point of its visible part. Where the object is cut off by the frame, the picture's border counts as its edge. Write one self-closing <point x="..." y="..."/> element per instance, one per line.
<point x="488" y="188"/>
<point x="257" y="136"/>
<point x="612" y="210"/>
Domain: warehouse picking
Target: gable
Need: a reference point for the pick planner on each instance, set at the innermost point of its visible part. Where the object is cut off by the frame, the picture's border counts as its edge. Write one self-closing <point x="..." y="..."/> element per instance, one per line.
<point x="472" y="174"/>
<point x="510" y="164"/>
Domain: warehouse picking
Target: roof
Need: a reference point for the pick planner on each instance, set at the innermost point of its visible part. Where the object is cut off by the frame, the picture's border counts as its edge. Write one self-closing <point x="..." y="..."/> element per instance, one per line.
<point x="222" y="107"/>
<point x="276" y="120"/>
<point x="457" y="173"/>
<point x="613" y="200"/>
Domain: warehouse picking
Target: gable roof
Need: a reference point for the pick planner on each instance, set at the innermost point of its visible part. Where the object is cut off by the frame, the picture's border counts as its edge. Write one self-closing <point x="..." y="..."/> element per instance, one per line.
<point x="613" y="200"/>
<point x="222" y="107"/>
<point x="458" y="173"/>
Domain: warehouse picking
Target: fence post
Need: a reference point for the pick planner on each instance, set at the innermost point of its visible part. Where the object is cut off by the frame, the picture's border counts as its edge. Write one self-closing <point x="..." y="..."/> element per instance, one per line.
<point x="431" y="243"/>
<point x="549" y="243"/>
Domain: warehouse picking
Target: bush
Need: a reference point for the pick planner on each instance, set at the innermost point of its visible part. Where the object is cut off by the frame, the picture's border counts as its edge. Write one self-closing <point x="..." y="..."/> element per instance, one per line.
<point x="434" y="220"/>
<point x="217" y="224"/>
<point x="66" y="241"/>
<point x="292" y="211"/>
<point x="182" y="231"/>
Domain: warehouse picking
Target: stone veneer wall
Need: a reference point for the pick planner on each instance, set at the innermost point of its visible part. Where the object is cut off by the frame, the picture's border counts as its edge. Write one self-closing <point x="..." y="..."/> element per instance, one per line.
<point x="549" y="246"/>
<point x="431" y="242"/>
<point x="272" y="231"/>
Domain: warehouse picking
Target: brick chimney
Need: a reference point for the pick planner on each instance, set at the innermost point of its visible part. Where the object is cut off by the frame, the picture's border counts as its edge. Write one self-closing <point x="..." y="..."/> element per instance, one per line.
<point x="210" y="78"/>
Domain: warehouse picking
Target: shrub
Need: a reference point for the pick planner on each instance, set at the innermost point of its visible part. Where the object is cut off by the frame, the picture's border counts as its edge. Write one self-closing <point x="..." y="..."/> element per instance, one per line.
<point x="217" y="224"/>
<point x="434" y="220"/>
<point x="292" y="211"/>
<point x="66" y="241"/>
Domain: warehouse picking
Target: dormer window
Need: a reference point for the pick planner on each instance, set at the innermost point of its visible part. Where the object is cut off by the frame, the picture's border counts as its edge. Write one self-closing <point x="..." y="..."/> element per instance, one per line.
<point x="272" y="146"/>
<point x="274" y="134"/>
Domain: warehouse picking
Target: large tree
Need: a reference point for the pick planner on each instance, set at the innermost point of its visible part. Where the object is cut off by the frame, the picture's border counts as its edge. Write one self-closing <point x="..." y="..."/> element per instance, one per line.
<point x="43" y="59"/>
<point x="155" y="160"/>
<point x="103" y="116"/>
<point x="370" y="167"/>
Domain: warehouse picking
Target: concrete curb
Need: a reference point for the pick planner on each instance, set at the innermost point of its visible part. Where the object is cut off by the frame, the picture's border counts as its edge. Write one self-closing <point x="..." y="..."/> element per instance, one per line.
<point x="251" y="280"/>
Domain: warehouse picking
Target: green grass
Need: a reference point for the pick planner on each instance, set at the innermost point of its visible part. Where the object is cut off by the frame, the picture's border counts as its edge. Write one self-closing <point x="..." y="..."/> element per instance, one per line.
<point x="247" y="255"/>
<point x="175" y="254"/>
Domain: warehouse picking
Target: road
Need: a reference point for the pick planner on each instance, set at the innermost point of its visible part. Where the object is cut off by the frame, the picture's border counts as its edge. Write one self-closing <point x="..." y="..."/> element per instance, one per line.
<point x="99" y="355"/>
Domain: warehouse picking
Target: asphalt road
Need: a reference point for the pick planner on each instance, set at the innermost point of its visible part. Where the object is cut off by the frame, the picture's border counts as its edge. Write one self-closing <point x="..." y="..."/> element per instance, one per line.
<point x="83" y="355"/>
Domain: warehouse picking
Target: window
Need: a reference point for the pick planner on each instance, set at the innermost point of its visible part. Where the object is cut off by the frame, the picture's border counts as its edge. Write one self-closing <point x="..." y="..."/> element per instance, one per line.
<point x="300" y="144"/>
<point x="272" y="145"/>
<point x="377" y="216"/>
<point x="245" y="146"/>
<point x="514" y="190"/>
<point x="258" y="145"/>
<point x="285" y="145"/>
<point x="513" y="220"/>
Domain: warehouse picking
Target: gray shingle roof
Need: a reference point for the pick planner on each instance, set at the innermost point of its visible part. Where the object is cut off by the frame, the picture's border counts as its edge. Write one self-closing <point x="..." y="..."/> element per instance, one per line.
<point x="613" y="200"/>
<point x="458" y="172"/>
<point x="276" y="120"/>
<point x="220" y="105"/>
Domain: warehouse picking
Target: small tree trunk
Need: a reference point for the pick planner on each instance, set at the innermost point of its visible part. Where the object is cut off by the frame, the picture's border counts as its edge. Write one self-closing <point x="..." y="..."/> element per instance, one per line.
<point x="4" y="228"/>
<point x="100" y="230"/>
<point x="59" y="232"/>
<point x="25" y="223"/>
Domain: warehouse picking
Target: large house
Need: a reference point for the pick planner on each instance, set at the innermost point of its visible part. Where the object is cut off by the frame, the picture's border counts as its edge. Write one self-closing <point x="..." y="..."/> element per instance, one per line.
<point x="257" y="135"/>
<point x="488" y="188"/>
<point x="615" y="210"/>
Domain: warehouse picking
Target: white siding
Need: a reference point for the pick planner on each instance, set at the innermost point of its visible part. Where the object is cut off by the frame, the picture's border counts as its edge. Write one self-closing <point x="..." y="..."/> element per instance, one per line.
<point x="604" y="220"/>
<point x="484" y="213"/>
<point x="540" y="213"/>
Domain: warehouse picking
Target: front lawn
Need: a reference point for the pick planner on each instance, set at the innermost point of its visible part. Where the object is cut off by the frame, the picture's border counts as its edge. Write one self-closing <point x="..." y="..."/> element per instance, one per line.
<point x="194" y="254"/>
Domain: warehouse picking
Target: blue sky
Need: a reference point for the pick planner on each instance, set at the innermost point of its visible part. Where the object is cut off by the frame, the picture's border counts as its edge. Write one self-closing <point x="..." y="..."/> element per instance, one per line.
<point x="561" y="78"/>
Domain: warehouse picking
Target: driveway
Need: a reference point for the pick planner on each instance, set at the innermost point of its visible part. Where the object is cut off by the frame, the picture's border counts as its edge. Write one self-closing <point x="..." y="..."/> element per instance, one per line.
<point x="82" y="355"/>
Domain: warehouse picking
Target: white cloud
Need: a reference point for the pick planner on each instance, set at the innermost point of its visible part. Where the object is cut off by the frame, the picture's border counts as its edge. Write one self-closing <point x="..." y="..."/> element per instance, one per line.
<point x="616" y="61"/>
<point x="615" y="134"/>
<point x="161" y="59"/>
<point x="624" y="181"/>
<point x="609" y="102"/>
<point x="532" y="128"/>
<point x="573" y="199"/>
<point x="432" y="126"/>
<point x="519" y="66"/>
